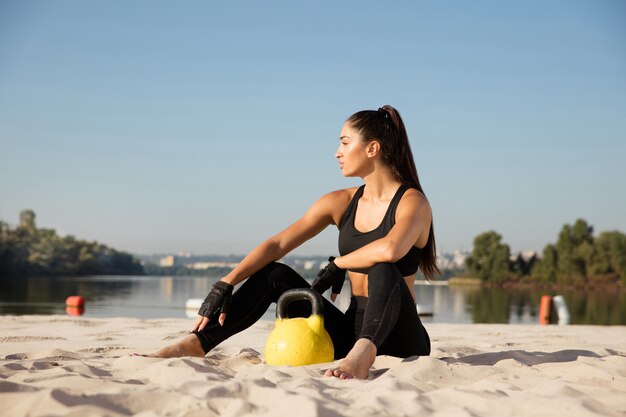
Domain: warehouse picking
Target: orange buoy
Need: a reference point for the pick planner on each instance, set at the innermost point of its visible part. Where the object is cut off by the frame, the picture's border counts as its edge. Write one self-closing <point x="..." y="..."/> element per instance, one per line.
<point x="75" y="301"/>
<point x="75" y="311"/>
<point x="545" y="311"/>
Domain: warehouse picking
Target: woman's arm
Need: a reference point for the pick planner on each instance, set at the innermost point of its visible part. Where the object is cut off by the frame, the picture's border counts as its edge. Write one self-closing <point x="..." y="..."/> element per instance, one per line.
<point x="323" y="212"/>
<point x="413" y="217"/>
<point x="317" y="218"/>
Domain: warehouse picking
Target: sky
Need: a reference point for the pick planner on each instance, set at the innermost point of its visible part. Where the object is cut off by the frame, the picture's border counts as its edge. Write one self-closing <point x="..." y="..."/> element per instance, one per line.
<point x="200" y="126"/>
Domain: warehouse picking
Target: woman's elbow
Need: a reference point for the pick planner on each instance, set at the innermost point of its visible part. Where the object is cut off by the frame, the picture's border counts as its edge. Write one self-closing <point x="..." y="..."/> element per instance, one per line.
<point x="274" y="248"/>
<point x="392" y="253"/>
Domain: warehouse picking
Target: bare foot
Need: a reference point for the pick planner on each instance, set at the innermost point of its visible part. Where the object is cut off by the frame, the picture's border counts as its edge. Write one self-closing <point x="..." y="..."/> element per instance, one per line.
<point x="189" y="346"/>
<point x="357" y="363"/>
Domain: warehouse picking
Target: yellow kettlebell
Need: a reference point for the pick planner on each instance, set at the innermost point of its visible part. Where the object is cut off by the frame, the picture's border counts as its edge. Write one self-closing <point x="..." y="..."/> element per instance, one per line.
<point x="299" y="341"/>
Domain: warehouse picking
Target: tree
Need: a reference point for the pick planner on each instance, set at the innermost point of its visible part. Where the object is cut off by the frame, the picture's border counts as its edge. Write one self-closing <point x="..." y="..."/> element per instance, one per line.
<point x="546" y="269"/>
<point x="571" y="260"/>
<point x="27" y="250"/>
<point x="610" y="256"/>
<point x="489" y="260"/>
<point x="523" y="267"/>
<point x="5" y="247"/>
<point x="581" y="259"/>
<point x="27" y="220"/>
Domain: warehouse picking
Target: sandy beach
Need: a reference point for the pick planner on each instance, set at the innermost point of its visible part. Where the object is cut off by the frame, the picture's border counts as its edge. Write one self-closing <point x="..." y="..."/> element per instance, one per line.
<point x="58" y="365"/>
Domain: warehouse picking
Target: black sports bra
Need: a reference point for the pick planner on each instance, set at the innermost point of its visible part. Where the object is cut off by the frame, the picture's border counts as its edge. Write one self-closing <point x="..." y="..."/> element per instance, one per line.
<point x="350" y="239"/>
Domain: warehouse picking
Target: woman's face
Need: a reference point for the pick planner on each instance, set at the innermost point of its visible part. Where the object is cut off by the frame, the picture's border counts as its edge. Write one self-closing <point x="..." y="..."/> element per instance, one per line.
<point x="351" y="154"/>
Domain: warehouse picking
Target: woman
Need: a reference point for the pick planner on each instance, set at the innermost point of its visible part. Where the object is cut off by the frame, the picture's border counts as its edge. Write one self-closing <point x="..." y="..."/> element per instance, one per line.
<point x="385" y="234"/>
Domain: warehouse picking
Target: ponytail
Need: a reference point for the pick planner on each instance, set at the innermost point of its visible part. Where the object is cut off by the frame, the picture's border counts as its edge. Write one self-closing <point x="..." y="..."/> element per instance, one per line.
<point x="386" y="126"/>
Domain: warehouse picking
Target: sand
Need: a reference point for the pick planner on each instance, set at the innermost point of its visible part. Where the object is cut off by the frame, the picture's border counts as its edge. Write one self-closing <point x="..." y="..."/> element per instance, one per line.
<point x="57" y="365"/>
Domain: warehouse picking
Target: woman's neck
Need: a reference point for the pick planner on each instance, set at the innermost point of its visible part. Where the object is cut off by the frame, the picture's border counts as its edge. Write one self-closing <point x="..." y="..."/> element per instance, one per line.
<point x="380" y="185"/>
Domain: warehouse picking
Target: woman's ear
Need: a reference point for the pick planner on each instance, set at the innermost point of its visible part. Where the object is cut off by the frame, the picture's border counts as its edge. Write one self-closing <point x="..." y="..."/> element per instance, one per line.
<point x="373" y="148"/>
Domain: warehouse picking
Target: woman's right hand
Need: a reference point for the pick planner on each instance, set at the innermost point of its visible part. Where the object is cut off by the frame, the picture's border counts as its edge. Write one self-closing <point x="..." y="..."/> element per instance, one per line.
<point x="330" y="275"/>
<point x="218" y="301"/>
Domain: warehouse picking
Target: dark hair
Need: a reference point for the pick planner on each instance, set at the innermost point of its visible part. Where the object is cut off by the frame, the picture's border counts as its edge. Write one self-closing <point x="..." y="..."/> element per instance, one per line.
<point x="385" y="125"/>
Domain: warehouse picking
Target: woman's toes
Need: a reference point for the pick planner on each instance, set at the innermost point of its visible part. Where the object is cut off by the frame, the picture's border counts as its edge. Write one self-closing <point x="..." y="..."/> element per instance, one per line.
<point x="338" y="373"/>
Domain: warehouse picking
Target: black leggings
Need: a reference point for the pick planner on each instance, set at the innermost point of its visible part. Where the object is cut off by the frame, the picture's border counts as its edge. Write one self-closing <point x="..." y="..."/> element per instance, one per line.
<point x="387" y="317"/>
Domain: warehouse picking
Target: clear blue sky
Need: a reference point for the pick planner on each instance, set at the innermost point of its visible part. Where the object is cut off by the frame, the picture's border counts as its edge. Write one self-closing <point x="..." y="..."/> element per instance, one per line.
<point x="160" y="127"/>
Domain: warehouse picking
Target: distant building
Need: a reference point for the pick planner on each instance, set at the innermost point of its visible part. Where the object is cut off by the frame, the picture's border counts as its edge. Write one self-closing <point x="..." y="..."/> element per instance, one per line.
<point x="452" y="260"/>
<point x="169" y="260"/>
<point x="207" y="265"/>
<point x="323" y="264"/>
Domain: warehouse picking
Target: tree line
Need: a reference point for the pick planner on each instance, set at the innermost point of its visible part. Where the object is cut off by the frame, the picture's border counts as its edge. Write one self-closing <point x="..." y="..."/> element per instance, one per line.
<point x="577" y="258"/>
<point x="28" y="250"/>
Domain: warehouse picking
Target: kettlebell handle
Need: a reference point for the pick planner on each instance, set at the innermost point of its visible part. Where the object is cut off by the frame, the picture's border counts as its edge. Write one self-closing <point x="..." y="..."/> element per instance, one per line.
<point x="307" y="294"/>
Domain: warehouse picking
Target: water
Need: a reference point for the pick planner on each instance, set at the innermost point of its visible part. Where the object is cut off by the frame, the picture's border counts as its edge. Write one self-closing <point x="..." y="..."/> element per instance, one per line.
<point x="165" y="297"/>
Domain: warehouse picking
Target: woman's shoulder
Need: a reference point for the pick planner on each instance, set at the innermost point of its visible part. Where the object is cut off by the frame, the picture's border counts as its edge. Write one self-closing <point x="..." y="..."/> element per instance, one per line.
<point x="340" y="198"/>
<point x="338" y="201"/>
<point x="414" y="199"/>
<point x="414" y="193"/>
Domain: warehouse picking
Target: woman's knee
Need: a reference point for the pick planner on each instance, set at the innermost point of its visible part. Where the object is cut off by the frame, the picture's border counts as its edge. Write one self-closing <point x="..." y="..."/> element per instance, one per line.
<point x="384" y="279"/>
<point x="383" y="271"/>
<point x="279" y="275"/>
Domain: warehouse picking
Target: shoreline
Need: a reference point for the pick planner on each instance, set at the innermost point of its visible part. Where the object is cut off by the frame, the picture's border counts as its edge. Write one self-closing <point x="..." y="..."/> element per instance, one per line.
<point x="59" y="365"/>
<point x="477" y="282"/>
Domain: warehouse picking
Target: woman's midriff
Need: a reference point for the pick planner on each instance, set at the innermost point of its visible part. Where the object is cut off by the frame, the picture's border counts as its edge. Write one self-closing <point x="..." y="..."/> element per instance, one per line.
<point x="358" y="282"/>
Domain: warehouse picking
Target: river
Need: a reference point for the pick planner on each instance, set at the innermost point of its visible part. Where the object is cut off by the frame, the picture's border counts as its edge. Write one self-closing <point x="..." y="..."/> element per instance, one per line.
<point x="165" y="297"/>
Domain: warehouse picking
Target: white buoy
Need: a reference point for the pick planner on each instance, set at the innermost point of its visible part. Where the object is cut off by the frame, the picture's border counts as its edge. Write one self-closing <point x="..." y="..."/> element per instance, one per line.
<point x="424" y="309"/>
<point x="561" y="309"/>
<point x="192" y="306"/>
<point x="194" y="303"/>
